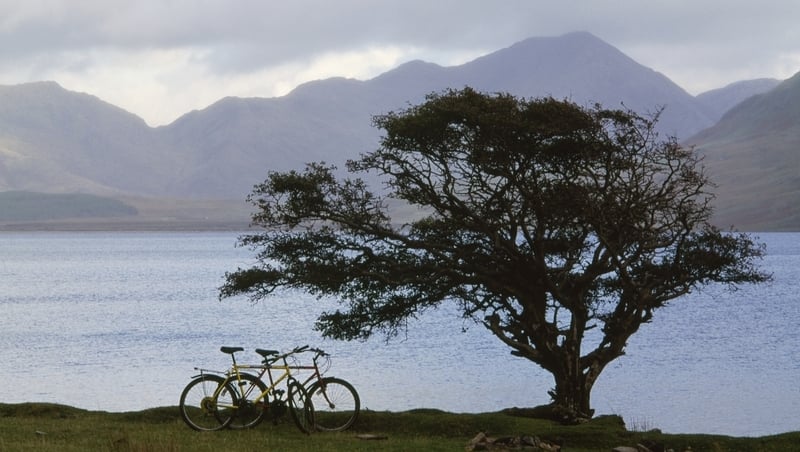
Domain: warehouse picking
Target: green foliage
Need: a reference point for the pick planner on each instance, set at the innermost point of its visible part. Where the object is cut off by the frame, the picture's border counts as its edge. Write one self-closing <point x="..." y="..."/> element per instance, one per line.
<point x="543" y="220"/>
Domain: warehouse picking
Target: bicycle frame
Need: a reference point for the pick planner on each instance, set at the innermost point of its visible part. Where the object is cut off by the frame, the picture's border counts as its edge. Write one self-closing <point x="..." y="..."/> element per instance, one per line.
<point x="316" y="375"/>
<point x="273" y="382"/>
<point x="235" y="373"/>
<point x="268" y="367"/>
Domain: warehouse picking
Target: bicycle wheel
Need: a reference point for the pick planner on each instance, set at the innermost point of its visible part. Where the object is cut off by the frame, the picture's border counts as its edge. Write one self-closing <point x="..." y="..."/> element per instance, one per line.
<point x="250" y="409"/>
<point x="301" y="407"/>
<point x="336" y="404"/>
<point x="203" y="407"/>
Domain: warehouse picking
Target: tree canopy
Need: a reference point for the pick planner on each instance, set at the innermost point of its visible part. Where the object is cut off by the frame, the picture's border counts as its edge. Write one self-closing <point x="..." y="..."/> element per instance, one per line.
<point x="541" y="219"/>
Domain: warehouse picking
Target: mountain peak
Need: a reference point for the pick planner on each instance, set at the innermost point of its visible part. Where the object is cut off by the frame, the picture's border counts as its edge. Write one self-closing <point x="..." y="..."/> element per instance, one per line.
<point x="578" y="41"/>
<point x="585" y="69"/>
<point x="574" y="37"/>
<point x="33" y="91"/>
<point x="37" y="85"/>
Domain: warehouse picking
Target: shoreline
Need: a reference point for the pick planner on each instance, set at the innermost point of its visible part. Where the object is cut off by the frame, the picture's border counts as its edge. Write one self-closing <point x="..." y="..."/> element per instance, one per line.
<point x="46" y="409"/>
<point x="123" y="225"/>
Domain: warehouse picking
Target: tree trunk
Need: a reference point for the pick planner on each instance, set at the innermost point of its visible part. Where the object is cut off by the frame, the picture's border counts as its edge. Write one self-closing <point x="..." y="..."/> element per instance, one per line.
<point x="573" y="387"/>
<point x="571" y="397"/>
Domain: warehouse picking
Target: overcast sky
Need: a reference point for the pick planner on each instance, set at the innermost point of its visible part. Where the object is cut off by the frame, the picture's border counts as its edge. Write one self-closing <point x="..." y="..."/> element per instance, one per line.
<point x="162" y="58"/>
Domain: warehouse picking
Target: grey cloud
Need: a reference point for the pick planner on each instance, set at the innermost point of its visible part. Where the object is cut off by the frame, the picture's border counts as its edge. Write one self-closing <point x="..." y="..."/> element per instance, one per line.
<point x="305" y="25"/>
<point x="246" y="35"/>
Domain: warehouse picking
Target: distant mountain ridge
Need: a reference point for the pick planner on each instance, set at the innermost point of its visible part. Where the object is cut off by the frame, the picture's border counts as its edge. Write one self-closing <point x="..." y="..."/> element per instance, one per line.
<point x="57" y="141"/>
<point x="718" y="101"/>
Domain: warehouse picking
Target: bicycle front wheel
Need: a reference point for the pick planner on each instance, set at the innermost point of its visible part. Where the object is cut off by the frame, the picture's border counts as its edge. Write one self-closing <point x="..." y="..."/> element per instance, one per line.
<point x="336" y="404"/>
<point x="207" y="403"/>
<point x="300" y="407"/>
<point x="250" y="406"/>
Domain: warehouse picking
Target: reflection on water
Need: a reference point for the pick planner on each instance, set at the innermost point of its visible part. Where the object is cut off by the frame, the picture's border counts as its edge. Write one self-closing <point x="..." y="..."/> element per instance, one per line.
<point x="117" y="321"/>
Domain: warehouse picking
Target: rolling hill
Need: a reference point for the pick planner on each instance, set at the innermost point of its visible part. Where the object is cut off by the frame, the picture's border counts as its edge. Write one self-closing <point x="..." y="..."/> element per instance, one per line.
<point x="16" y="206"/>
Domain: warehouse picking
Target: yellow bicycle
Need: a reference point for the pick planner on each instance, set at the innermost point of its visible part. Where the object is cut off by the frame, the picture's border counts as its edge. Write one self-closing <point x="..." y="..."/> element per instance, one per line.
<point x="242" y="400"/>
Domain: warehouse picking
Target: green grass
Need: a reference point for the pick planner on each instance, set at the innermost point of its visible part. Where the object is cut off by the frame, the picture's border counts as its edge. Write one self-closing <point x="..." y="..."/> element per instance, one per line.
<point x="37" y="427"/>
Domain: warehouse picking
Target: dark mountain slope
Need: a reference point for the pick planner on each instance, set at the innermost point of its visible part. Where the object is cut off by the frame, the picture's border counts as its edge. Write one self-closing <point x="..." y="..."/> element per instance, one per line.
<point x="753" y="153"/>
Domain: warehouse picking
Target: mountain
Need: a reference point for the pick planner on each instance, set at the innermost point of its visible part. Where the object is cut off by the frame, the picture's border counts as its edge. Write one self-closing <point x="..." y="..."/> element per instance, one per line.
<point x="57" y="141"/>
<point x="54" y="140"/>
<point x="753" y="154"/>
<point x="235" y="141"/>
<point x="576" y="66"/>
<point x="718" y="101"/>
<point x="585" y="69"/>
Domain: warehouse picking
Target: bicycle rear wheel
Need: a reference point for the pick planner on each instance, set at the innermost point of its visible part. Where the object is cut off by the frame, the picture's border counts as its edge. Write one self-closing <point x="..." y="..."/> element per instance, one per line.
<point x="250" y="406"/>
<point x="336" y="404"/>
<point x="300" y="407"/>
<point x="207" y="404"/>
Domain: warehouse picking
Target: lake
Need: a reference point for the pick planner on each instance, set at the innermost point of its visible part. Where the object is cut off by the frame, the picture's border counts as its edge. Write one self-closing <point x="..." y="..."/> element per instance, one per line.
<point x="117" y="321"/>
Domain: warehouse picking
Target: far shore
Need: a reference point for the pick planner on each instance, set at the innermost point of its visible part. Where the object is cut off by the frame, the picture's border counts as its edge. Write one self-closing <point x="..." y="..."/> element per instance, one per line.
<point x="128" y="225"/>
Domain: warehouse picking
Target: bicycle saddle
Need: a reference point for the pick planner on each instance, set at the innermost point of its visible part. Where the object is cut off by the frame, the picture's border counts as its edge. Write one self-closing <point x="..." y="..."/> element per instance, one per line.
<point x="266" y="353"/>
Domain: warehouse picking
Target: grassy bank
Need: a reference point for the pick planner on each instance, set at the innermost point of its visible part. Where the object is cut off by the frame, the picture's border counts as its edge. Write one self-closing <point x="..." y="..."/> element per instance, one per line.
<point x="37" y="427"/>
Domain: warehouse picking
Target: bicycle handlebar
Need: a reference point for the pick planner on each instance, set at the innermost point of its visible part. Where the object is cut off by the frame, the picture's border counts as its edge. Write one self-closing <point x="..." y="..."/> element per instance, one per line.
<point x="293" y="351"/>
<point x="270" y="356"/>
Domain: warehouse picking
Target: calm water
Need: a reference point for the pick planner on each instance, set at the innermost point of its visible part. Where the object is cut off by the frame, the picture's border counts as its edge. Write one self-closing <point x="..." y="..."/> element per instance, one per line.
<point x="117" y="321"/>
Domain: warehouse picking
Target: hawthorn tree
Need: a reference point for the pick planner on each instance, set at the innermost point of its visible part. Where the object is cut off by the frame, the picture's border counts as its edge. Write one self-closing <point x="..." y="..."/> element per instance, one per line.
<point x="541" y="219"/>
